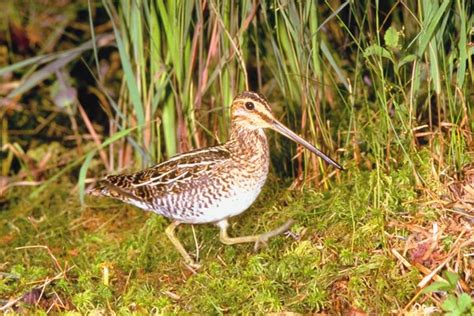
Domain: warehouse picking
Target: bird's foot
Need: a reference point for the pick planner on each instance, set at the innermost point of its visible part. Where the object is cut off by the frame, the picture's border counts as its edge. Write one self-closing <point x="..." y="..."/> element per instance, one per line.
<point x="263" y="238"/>
<point x="261" y="242"/>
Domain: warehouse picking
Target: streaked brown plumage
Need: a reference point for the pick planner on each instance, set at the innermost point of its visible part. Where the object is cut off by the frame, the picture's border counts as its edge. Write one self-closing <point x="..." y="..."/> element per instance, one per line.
<point x="212" y="184"/>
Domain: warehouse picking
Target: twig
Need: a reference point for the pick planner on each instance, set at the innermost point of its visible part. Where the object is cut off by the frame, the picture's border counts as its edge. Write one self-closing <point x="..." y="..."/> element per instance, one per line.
<point x="48" y="250"/>
<point x="428" y="278"/>
<point x="42" y="287"/>
<point x="95" y="137"/>
<point x="401" y="258"/>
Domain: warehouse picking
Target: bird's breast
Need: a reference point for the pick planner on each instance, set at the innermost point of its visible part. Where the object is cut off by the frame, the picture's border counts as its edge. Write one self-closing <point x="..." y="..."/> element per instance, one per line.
<point x="227" y="190"/>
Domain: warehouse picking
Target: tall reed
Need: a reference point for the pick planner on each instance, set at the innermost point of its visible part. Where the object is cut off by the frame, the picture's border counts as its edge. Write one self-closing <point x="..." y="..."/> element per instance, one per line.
<point x="371" y="83"/>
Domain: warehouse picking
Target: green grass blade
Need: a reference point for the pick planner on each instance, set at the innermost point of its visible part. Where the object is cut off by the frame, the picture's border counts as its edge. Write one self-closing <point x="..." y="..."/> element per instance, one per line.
<point x="128" y="72"/>
<point x="431" y="23"/>
<point x="462" y="46"/>
<point x="83" y="174"/>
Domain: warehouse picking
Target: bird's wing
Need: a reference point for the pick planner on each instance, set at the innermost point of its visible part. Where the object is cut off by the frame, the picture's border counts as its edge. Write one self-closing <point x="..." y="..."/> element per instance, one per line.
<point x="181" y="172"/>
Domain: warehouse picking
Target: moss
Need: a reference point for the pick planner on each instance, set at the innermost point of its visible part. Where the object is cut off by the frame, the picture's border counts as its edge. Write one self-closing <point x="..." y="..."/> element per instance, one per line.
<point x="340" y="254"/>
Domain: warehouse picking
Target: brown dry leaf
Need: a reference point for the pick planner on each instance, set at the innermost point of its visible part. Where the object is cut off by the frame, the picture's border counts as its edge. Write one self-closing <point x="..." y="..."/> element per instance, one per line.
<point x="19" y="37"/>
<point x="463" y="191"/>
<point x="3" y="186"/>
<point x="355" y="312"/>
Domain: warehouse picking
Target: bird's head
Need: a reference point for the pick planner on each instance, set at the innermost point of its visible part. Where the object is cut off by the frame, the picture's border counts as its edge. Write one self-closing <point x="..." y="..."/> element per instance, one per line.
<point x="251" y="111"/>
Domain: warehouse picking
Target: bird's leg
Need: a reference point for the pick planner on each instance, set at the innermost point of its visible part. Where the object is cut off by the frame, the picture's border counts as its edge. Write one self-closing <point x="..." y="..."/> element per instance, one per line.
<point x="257" y="239"/>
<point x="170" y="233"/>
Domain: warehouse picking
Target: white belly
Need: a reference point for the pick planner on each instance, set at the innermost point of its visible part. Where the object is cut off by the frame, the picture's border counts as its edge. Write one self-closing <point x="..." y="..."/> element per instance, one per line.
<point x="224" y="207"/>
<point x="227" y="207"/>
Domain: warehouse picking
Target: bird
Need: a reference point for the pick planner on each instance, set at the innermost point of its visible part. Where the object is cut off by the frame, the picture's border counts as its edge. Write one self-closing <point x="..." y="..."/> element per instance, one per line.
<point x="211" y="185"/>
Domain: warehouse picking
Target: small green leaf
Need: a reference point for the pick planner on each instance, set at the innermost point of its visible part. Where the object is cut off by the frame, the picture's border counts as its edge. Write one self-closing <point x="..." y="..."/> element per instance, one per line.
<point x="465" y="302"/>
<point x="405" y="60"/>
<point x="450" y="304"/>
<point x="452" y="277"/>
<point x="392" y="38"/>
<point x="377" y="50"/>
<point x="437" y="286"/>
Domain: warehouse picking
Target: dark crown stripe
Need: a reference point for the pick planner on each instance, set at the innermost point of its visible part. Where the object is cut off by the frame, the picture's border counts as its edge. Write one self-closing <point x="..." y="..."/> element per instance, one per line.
<point x="257" y="97"/>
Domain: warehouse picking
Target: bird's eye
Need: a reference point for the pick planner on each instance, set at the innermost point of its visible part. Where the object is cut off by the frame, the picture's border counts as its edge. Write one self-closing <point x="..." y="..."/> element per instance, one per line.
<point x="249" y="106"/>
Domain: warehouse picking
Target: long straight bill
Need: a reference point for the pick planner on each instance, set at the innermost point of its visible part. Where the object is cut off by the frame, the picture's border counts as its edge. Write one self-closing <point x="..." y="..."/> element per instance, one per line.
<point x="282" y="129"/>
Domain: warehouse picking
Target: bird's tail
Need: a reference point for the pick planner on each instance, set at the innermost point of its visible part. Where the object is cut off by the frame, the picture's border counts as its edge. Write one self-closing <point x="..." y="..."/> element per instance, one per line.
<point x="105" y="188"/>
<point x="100" y="189"/>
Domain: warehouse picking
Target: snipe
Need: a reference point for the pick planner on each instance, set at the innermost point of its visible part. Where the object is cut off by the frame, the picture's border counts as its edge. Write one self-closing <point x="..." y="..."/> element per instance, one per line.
<point x="213" y="184"/>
